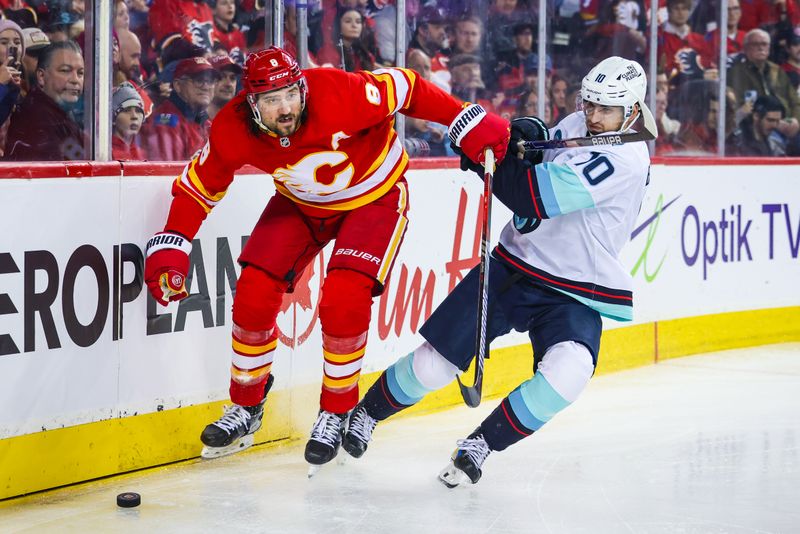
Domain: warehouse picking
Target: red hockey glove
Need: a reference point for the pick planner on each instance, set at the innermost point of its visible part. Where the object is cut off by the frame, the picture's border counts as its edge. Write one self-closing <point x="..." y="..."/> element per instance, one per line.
<point x="166" y="265"/>
<point x="474" y="130"/>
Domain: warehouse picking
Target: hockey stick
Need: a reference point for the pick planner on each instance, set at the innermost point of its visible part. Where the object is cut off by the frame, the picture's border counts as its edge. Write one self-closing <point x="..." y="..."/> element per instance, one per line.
<point x="648" y="133"/>
<point x="472" y="394"/>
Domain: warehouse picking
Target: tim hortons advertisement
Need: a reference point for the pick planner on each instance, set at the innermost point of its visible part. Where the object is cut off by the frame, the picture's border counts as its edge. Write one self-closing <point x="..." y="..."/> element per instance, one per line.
<point x="81" y="341"/>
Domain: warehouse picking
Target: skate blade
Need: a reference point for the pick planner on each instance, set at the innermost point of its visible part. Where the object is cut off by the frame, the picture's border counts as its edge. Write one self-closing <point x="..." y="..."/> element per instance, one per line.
<point x="453" y="477"/>
<point x="245" y="442"/>
<point x="313" y="470"/>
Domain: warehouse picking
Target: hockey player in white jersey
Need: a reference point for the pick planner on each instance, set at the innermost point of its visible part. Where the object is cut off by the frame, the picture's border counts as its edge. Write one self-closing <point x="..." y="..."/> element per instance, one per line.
<point x="554" y="273"/>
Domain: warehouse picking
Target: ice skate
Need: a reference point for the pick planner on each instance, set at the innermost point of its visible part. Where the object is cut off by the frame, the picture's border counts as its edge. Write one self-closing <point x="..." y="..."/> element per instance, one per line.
<point x="326" y="437"/>
<point x="465" y="464"/>
<point x="233" y="432"/>
<point x="359" y="432"/>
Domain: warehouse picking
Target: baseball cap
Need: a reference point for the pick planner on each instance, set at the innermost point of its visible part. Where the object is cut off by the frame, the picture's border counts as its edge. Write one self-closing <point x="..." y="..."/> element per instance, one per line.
<point x="223" y="62"/>
<point x="432" y="15"/>
<point x="193" y="66"/>
<point x="126" y="96"/>
<point x="463" y="59"/>
<point x="35" y="39"/>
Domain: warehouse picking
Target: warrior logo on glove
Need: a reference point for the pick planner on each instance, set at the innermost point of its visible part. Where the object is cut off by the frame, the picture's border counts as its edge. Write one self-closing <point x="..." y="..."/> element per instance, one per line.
<point x="494" y="133"/>
<point x="166" y="266"/>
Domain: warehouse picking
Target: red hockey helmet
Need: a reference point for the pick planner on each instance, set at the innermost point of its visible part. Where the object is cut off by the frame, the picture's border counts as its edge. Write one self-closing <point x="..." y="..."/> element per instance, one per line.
<point x="269" y="70"/>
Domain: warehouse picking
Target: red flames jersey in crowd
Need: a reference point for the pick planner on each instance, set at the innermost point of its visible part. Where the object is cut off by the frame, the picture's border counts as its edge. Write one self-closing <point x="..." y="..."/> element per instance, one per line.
<point x="234" y="42"/>
<point x="344" y="155"/>
<point x="193" y="21"/>
<point x="711" y="53"/>
<point x="680" y="55"/>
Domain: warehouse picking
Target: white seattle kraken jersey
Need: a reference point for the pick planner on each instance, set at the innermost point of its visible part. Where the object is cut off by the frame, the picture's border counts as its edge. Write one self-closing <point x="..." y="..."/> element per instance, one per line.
<point x="588" y="199"/>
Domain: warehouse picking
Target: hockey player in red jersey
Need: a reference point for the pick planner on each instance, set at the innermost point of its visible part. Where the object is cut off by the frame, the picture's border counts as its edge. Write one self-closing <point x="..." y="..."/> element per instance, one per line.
<point x="327" y="139"/>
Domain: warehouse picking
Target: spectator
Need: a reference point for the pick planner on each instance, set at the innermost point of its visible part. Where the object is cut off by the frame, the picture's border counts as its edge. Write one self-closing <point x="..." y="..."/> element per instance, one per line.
<point x="420" y="62"/>
<point x="628" y="13"/>
<point x="698" y="118"/>
<point x="615" y="34"/>
<point x="130" y="56"/>
<point x="19" y="12"/>
<point x="229" y="74"/>
<point x="129" y="68"/>
<point x="353" y="40"/>
<point x="514" y="67"/>
<point x="766" y="13"/>
<point x="122" y="19"/>
<point x="528" y="106"/>
<point x="468" y="36"/>
<point x="679" y="48"/>
<point x="424" y="138"/>
<point x="35" y="40"/>
<point x="128" y="118"/>
<point x="180" y="125"/>
<point x="735" y="37"/>
<point x="12" y="49"/>
<point x="228" y="33"/>
<point x="503" y="15"/>
<point x="558" y="96"/>
<point x="754" y="72"/>
<point x="191" y="20"/>
<point x="465" y="72"/>
<point x="573" y="100"/>
<point x="431" y="37"/>
<point x="41" y="129"/>
<point x="667" y="128"/>
<point x="758" y="134"/>
<point x="792" y="64"/>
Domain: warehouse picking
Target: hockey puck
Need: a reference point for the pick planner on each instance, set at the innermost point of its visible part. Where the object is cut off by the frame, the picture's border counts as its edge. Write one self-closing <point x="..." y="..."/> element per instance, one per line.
<point x="129" y="500"/>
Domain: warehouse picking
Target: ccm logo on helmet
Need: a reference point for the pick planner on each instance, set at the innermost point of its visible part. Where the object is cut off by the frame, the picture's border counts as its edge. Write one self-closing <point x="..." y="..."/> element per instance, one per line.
<point x="357" y="254"/>
<point x="278" y="76"/>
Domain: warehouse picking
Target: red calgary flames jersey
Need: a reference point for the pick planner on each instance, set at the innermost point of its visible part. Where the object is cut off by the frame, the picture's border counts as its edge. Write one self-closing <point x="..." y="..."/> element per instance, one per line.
<point x="344" y="155"/>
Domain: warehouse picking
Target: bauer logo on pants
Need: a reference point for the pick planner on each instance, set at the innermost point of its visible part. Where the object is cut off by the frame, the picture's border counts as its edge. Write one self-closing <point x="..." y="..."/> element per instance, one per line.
<point x="357" y="254"/>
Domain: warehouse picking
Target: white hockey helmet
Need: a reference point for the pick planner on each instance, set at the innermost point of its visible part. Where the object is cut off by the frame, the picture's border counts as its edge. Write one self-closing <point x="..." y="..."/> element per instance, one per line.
<point x="617" y="81"/>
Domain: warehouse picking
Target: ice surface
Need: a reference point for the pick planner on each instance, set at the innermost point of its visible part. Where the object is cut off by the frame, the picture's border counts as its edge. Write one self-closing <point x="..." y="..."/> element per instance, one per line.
<point x="706" y="444"/>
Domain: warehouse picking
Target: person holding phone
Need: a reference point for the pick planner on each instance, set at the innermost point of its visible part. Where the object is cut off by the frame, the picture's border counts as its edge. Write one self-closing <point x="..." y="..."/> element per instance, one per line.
<point x="12" y="47"/>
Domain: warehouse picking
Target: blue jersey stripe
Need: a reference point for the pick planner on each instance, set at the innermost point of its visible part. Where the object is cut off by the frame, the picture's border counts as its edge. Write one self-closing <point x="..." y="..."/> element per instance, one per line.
<point x="569" y="190"/>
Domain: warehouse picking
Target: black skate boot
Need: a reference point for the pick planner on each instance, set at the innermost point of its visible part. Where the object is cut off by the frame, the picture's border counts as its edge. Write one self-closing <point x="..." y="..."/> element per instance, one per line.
<point x="326" y="437"/>
<point x="465" y="464"/>
<point x="233" y="432"/>
<point x="359" y="431"/>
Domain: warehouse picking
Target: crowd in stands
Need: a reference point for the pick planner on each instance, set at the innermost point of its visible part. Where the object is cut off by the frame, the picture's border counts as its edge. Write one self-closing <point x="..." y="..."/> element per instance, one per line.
<point x="177" y="62"/>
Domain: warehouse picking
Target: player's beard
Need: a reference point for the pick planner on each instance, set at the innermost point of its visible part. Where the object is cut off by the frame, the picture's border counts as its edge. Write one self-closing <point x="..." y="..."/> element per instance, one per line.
<point x="284" y="128"/>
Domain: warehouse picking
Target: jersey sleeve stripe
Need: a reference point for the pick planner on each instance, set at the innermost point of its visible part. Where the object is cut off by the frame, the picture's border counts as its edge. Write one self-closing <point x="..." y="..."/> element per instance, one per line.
<point x="391" y="97"/>
<point x="532" y="185"/>
<point x="562" y="190"/>
<point x="398" y="88"/>
<point x="198" y="184"/>
<point x="194" y="195"/>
